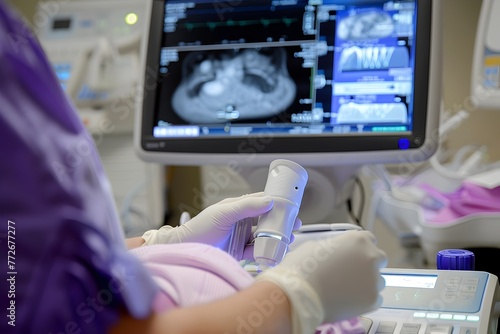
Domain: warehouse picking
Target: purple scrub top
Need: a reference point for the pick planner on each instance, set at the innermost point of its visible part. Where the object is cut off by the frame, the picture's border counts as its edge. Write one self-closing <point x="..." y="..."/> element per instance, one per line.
<point x="64" y="267"/>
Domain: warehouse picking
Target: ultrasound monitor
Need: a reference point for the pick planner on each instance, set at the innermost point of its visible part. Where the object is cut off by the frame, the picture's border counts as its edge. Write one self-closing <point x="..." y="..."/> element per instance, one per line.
<point x="318" y="82"/>
<point x="331" y="85"/>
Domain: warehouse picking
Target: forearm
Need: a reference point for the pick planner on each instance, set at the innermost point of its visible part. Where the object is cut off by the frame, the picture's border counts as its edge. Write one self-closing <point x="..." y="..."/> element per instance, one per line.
<point x="134" y="242"/>
<point x="164" y="235"/>
<point x="260" y="309"/>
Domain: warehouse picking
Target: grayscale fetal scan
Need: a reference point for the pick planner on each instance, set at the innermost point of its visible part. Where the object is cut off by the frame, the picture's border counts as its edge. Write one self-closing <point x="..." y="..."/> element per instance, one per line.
<point x="229" y="85"/>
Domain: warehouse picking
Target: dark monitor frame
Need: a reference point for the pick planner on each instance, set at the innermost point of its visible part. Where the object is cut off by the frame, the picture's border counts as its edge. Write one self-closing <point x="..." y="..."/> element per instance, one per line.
<point x="314" y="150"/>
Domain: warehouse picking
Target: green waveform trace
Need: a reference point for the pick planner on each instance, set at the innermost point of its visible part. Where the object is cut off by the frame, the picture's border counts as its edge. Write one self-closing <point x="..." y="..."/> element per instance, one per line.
<point x="232" y="23"/>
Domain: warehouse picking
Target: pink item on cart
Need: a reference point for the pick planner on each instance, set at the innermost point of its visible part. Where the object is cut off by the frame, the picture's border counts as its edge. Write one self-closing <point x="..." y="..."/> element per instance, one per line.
<point x="470" y="199"/>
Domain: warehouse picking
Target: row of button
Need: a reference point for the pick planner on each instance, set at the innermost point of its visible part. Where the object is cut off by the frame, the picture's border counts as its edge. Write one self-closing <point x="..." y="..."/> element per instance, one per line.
<point x="446" y="316"/>
<point x="389" y="327"/>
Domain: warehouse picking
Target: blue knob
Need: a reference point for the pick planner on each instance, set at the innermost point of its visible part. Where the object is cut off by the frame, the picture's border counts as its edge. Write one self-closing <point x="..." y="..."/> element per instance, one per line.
<point x="455" y="259"/>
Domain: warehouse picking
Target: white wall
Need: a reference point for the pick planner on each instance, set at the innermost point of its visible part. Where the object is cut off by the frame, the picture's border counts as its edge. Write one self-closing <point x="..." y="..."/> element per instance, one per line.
<point x="460" y="21"/>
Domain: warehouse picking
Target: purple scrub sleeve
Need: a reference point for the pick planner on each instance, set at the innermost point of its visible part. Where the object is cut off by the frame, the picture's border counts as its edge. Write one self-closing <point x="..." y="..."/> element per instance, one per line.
<point x="64" y="267"/>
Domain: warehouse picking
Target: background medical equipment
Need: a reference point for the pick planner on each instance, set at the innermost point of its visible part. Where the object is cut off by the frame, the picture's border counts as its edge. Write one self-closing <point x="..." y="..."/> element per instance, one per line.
<point x="403" y="217"/>
<point x="96" y="50"/>
<point x="485" y="83"/>
<point x="371" y="97"/>
<point x="286" y="182"/>
<point x="409" y="202"/>
<point x="436" y="301"/>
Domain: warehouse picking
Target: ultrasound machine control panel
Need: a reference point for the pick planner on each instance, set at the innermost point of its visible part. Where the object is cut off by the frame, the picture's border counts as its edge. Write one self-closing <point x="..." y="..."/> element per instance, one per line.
<point x="426" y="301"/>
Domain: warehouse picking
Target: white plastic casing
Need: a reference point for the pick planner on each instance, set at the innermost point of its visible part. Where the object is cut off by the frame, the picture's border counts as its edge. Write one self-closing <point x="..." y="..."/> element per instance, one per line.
<point x="286" y="182"/>
<point x="485" y="76"/>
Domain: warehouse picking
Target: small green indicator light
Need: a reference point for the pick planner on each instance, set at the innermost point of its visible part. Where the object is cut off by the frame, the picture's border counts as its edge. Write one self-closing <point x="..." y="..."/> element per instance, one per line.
<point x="131" y="18"/>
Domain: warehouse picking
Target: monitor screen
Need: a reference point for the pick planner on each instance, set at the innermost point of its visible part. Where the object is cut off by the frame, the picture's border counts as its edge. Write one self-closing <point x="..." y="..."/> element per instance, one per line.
<point x="319" y="82"/>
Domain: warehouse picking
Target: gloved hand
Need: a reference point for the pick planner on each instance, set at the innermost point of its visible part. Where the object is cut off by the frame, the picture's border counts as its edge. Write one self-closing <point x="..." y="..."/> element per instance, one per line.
<point x="214" y="224"/>
<point x="331" y="279"/>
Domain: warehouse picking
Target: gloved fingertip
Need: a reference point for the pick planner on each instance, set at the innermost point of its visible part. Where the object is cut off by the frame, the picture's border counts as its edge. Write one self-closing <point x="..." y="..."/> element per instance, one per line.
<point x="185" y="217"/>
<point x="384" y="261"/>
<point x="297" y="224"/>
<point x="381" y="283"/>
<point x="267" y="200"/>
<point x="261" y="204"/>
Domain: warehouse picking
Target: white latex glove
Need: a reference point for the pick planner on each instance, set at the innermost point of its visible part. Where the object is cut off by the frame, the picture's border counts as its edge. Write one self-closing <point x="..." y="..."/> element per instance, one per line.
<point x="214" y="224"/>
<point x="332" y="279"/>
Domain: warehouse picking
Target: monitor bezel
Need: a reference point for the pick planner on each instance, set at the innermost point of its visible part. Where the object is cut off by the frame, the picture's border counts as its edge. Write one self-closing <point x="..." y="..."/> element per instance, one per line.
<point x="306" y="149"/>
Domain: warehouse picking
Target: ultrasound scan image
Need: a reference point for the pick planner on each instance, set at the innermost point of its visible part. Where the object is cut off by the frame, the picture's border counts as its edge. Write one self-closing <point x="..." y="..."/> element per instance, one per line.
<point x="366" y="25"/>
<point x="231" y="85"/>
<point x="352" y="113"/>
